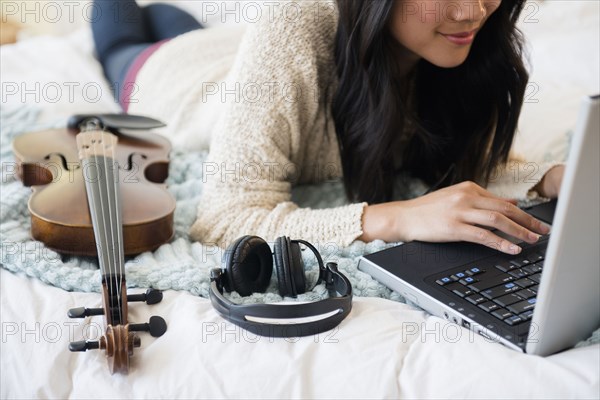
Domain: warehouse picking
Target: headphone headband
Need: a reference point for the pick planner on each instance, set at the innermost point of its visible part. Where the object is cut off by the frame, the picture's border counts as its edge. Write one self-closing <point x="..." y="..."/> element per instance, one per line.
<point x="239" y="313"/>
<point x="312" y="248"/>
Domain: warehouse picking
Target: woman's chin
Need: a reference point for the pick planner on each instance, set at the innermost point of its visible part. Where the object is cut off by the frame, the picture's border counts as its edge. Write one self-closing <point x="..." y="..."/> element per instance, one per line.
<point x="449" y="61"/>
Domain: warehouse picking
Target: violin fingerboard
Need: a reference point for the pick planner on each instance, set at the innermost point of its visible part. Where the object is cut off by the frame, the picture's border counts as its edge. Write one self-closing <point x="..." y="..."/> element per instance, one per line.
<point x="101" y="176"/>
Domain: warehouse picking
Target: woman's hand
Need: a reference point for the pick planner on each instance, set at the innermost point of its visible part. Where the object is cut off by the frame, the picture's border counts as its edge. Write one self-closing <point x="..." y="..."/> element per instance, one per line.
<point x="457" y="213"/>
<point x="550" y="184"/>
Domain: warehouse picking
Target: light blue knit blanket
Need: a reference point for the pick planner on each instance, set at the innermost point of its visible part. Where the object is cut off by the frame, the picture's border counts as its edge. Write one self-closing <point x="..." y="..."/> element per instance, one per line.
<point x="178" y="265"/>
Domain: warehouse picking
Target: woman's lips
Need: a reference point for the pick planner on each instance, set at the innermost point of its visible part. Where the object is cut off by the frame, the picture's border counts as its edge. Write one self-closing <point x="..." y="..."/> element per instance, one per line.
<point x="461" y="38"/>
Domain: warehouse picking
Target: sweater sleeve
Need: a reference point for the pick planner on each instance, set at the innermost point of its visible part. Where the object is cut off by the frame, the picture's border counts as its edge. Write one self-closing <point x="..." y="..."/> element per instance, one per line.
<point x="259" y="144"/>
<point x="517" y="178"/>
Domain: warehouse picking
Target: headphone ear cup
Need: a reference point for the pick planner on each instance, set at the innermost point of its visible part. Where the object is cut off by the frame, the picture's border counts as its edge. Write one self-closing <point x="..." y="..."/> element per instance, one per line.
<point x="297" y="269"/>
<point x="281" y="266"/>
<point x="290" y="268"/>
<point x="228" y="260"/>
<point x="249" y="265"/>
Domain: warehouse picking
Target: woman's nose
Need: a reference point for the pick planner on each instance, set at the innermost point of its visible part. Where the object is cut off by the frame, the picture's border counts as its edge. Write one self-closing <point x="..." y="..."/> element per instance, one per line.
<point x="467" y="11"/>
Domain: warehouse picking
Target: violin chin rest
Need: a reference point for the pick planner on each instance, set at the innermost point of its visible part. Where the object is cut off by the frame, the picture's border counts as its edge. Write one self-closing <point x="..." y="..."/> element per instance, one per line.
<point x="116" y="121"/>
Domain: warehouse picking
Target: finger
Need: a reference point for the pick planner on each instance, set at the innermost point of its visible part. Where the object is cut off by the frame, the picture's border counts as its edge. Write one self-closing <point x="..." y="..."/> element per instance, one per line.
<point x="495" y="219"/>
<point x="470" y="233"/>
<point x="512" y="212"/>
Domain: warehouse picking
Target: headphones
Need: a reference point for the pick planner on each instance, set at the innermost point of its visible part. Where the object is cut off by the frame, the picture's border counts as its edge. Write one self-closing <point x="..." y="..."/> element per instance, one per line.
<point x="247" y="268"/>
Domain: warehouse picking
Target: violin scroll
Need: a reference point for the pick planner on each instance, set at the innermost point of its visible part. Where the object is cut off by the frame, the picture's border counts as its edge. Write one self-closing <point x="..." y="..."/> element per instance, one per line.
<point x="120" y="340"/>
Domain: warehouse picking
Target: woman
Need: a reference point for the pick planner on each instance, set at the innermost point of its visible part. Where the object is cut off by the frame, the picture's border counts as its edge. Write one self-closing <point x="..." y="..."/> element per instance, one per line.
<point x="367" y="91"/>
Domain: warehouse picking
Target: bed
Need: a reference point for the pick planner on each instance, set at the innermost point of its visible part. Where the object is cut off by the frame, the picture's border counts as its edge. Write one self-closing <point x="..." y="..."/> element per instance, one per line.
<point x="386" y="348"/>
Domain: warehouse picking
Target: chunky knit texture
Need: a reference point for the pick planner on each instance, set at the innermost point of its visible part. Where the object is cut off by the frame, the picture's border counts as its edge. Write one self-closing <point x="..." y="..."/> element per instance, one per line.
<point x="275" y="128"/>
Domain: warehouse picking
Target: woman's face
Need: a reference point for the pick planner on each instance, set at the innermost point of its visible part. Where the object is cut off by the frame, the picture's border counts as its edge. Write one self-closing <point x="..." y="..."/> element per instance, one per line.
<point x="440" y="31"/>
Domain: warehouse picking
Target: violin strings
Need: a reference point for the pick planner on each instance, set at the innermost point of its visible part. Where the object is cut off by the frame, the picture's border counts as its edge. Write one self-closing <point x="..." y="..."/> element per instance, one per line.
<point x="103" y="248"/>
<point x="110" y="242"/>
<point x="116" y="225"/>
<point x="93" y="206"/>
<point x="103" y="251"/>
<point x="110" y="258"/>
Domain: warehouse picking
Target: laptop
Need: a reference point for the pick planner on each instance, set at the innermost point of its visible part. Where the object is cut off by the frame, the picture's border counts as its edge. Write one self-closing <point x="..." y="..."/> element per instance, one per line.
<point x="541" y="301"/>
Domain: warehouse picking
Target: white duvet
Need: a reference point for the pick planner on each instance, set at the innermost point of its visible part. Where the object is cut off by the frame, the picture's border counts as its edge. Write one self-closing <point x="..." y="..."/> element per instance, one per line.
<point x="383" y="349"/>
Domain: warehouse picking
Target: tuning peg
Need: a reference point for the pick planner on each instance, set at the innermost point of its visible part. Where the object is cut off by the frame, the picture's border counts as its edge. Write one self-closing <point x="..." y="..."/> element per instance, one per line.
<point x="83" y="346"/>
<point x="156" y="326"/>
<point x="152" y="296"/>
<point x="82" y="312"/>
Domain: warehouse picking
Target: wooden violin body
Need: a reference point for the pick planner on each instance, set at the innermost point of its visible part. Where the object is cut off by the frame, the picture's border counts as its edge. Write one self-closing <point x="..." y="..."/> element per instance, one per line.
<point x="60" y="216"/>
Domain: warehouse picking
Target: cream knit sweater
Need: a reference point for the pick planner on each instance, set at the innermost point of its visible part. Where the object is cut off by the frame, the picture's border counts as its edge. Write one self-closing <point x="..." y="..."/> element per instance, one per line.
<point x="256" y="95"/>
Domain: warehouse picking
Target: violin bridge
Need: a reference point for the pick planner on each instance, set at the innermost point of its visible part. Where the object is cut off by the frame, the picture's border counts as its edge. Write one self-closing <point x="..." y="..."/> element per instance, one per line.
<point x="96" y="144"/>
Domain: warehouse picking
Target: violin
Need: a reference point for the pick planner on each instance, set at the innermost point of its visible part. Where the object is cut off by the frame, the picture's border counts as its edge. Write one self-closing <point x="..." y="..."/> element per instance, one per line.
<point x="96" y="193"/>
<point x="48" y="161"/>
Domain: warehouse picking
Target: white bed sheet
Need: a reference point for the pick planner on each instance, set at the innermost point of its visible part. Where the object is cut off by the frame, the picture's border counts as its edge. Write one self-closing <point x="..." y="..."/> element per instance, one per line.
<point x="383" y="349"/>
<point x="375" y="353"/>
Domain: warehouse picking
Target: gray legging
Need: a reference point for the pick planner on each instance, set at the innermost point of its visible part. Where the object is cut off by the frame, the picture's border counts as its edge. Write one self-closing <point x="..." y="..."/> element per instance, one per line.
<point x="122" y="30"/>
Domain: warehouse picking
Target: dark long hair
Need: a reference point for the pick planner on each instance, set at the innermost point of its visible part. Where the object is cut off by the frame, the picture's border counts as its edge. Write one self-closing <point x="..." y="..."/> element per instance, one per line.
<point x="462" y="118"/>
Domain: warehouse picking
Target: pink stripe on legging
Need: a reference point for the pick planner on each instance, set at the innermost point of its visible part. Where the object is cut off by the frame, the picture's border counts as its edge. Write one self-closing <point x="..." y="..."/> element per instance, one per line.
<point x="128" y="85"/>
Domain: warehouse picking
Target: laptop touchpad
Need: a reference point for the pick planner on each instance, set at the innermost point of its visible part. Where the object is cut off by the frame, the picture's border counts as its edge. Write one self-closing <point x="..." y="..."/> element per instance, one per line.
<point x="544" y="212"/>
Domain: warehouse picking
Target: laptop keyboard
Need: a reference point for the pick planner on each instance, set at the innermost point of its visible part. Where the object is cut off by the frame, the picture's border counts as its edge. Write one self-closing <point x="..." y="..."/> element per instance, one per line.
<point x="505" y="289"/>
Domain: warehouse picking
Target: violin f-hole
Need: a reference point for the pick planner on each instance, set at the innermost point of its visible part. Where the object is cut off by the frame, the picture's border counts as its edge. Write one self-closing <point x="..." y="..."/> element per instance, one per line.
<point x="33" y="174"/>
<point x="132" y="168"/>
<point x="130" y="163"/>
<point x="156" y="172"/>
<point x="63" y="161"/>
